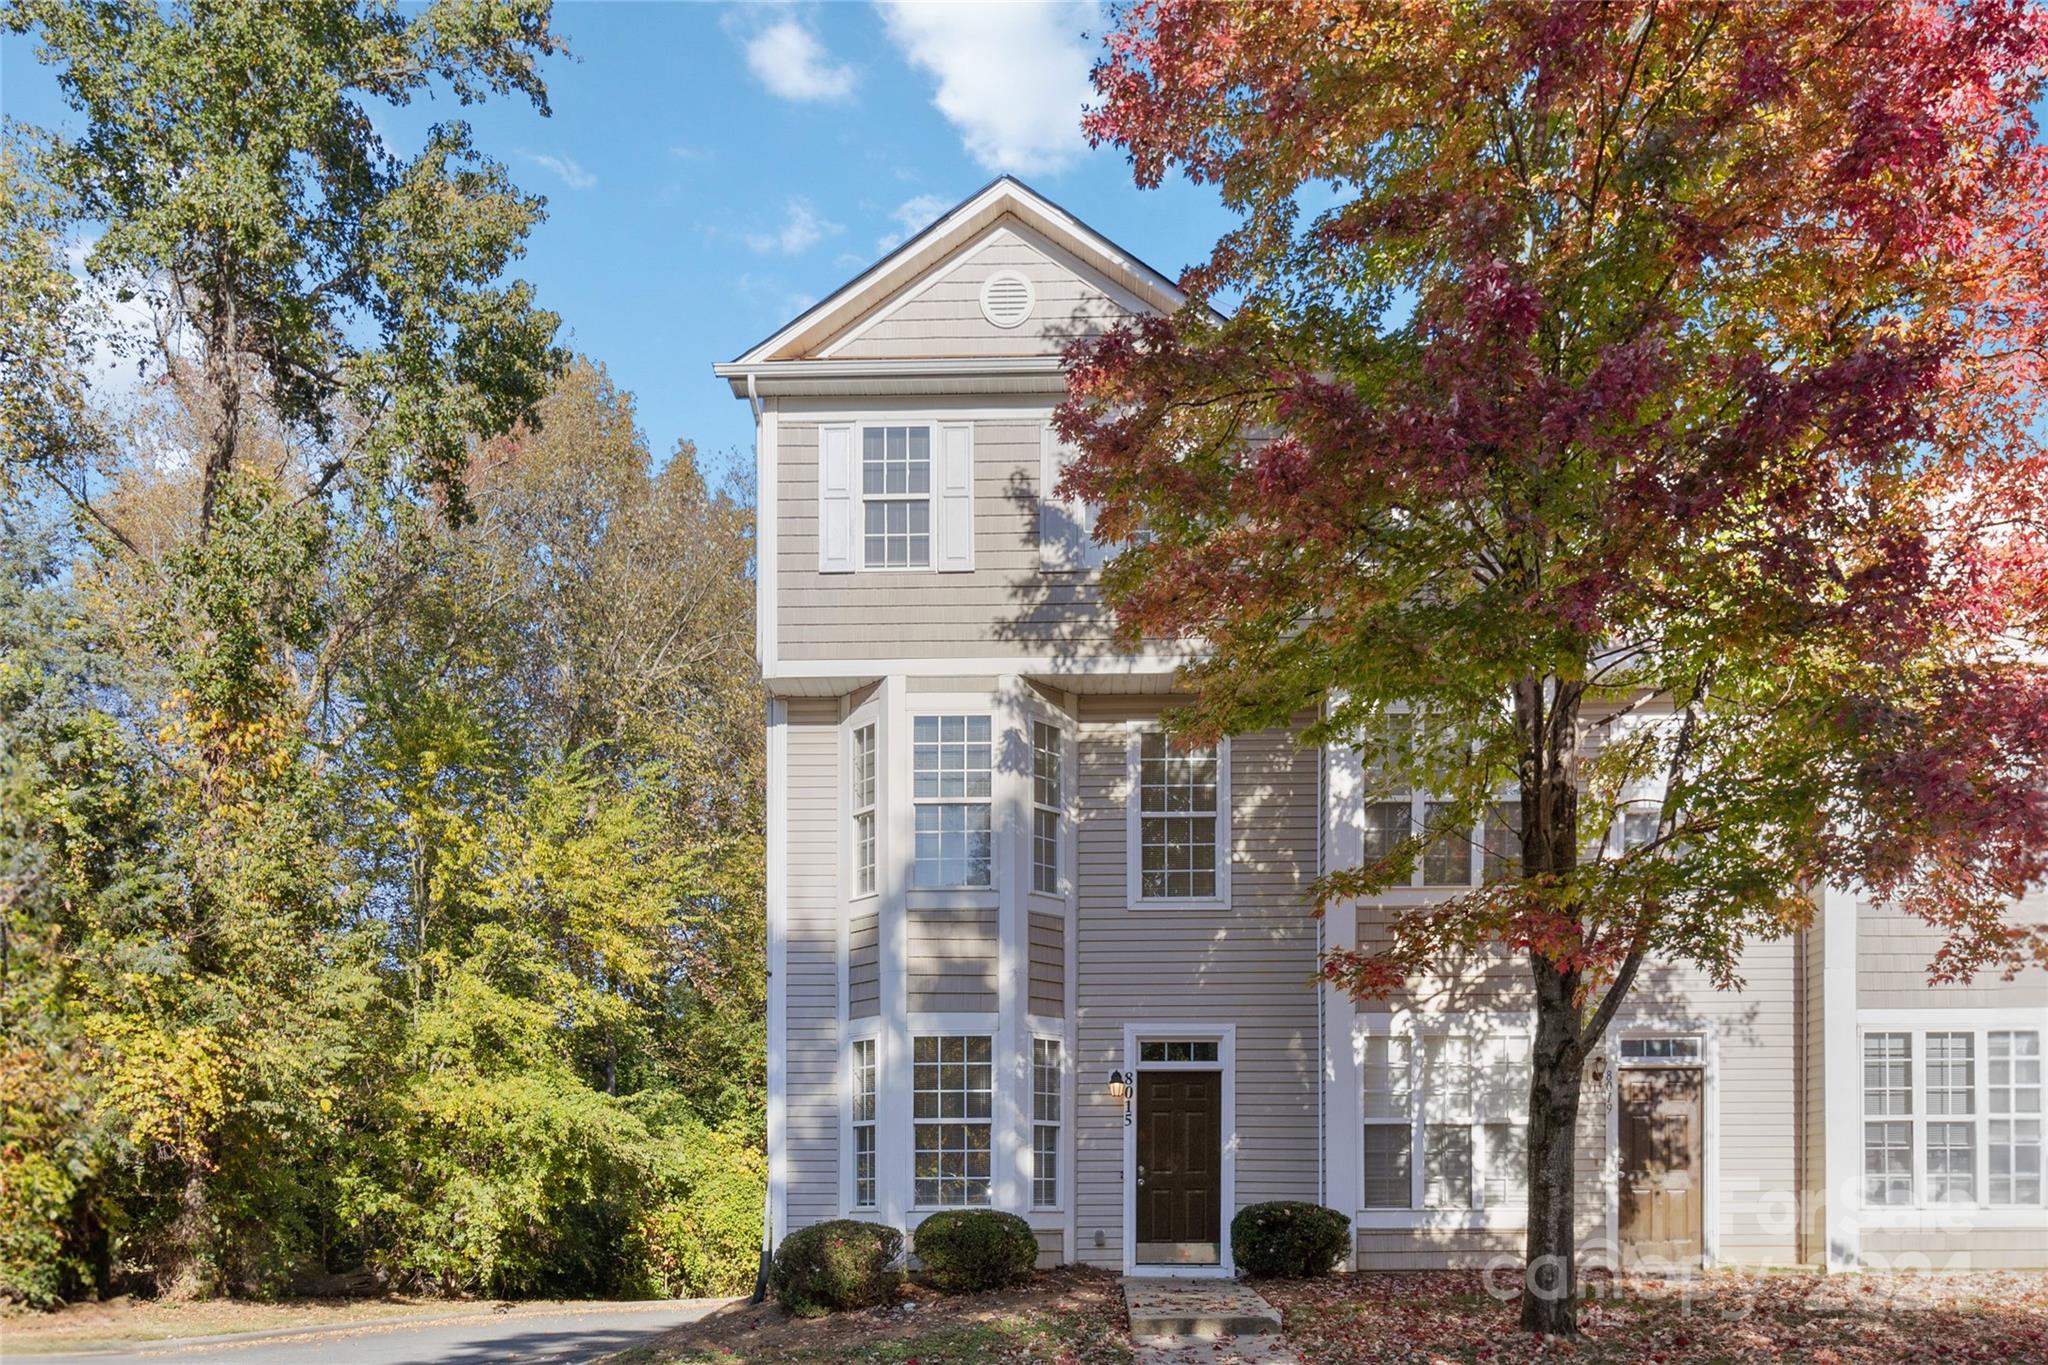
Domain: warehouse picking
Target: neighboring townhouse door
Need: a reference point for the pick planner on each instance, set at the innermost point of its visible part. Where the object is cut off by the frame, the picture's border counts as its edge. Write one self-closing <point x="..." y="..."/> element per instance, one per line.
<point x="1180" y="1168"/>
<point x="1662" y="1167"/>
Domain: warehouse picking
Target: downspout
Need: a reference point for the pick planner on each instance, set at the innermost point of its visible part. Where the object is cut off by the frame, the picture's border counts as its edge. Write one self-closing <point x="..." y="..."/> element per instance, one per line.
<point x="1322" y="944"/>
<point x="767" y="1191"/>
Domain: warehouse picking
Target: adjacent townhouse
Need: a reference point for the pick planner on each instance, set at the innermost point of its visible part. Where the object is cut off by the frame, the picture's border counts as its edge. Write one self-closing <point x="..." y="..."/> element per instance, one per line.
<point x="1026" y="956"/>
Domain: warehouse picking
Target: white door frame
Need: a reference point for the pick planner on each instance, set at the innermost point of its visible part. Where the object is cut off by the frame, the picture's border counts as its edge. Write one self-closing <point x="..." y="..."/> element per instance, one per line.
<point x="1708" y="1063"/>
<point x="1225" y="1037"/>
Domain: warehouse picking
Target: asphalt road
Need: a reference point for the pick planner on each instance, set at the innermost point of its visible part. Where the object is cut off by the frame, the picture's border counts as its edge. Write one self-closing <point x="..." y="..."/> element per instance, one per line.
<point x="554" y="1336"/>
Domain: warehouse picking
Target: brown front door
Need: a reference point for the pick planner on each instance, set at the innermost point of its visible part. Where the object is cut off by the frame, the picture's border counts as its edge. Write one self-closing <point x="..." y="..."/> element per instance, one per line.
<point x="1180" y="1167"/>
<point x="1661" y="1167"/>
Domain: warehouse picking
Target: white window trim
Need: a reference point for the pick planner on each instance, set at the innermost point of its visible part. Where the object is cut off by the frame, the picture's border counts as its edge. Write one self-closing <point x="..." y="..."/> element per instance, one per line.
<point x="1135" y="732"/>
<point x="926" y="706"/>
<point x="1415" y="1028"/>
<point x="1948" y="1216"/>
<point x="1226" y="1062"/>
<point x="949" y="496"/>
<point x="956" y="1026"/>
<point x="861" y="497"/>
<point x="859" y="1030"/>
<point x="869" y="713"/>
<point x="1057" y="1037"/>
<point x="1062" y="806"/>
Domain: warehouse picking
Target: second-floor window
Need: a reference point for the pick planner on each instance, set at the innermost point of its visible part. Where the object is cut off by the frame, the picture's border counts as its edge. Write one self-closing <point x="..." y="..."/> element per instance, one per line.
<point x="1180" y="820"/>
<point x="863" y="797"/>
<point x="951" y="769"/>
<point x="896" y="497"/>
<point x="1046" y="803"/>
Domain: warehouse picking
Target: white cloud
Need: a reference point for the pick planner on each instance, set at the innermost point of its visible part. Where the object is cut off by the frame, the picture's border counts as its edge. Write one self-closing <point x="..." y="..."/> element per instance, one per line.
<point x="788" y="59"/>
<point x="1012" y="78"/>
<point x="912" y="216"/>
<point x="572" y="174"/>
<point x="801" y="230"/>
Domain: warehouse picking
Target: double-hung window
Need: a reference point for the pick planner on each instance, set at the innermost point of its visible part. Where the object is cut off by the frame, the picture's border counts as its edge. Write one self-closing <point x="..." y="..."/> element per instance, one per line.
<point x="1951" y="1127"/>
<point x="1964" y="1127"/>
<point x="1887" y="1118"/>
<point x="1446" y="1119"/>
<point x="2013" y="1129"/>
<point x="1046" y="806"/>
<point x="1046" y="1089"/>
<point x="863" y="1087"/>
<point x="1181" y="821"/>
<point x="952" y="1099"/>
<point x="863" y="800"/>
<point x="951" y="769"/>
<point x="896" y="497"/>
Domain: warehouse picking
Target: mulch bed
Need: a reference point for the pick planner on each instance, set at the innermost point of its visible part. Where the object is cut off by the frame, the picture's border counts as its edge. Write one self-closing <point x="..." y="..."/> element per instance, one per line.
<point x="1082" y="1308"/>
<point x="1725" y="1317"/>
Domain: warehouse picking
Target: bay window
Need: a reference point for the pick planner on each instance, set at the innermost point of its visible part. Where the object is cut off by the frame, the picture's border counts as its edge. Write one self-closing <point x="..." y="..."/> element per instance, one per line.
<point x="863" y="801"/>
<point x="951" y="787"/>
<point x="952" y="1103"/>
<point x="863" y="1088"/>
<point x="1047" y="803"/>
<point x="1046" y="1090"/>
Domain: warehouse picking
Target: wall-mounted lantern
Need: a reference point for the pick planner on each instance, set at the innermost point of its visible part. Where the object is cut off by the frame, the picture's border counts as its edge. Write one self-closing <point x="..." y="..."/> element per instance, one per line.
<point x="1119" y="1087"/>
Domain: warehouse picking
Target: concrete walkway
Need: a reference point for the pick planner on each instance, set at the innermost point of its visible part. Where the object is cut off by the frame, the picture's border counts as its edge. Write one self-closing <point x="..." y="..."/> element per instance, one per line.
<point x="1203" y="1322"/>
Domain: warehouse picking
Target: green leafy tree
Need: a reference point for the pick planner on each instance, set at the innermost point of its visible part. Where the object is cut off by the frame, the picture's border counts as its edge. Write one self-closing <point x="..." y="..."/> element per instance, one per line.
<point x="1641" y="402"/>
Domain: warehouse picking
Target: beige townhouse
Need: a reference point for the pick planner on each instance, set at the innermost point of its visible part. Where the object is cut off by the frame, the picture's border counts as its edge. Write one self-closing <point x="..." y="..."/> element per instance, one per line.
<point x="1024" y="956"/>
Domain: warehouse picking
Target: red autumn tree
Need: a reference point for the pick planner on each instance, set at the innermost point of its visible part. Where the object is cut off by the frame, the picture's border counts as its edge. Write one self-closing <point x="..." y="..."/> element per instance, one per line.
<point x="1643" y="397"/>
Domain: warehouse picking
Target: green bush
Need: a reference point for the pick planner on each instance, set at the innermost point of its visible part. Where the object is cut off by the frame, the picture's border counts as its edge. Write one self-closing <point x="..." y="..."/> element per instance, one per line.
<point x="969" y="1249"/>
<point x="1289" y="1239"/>
<point x="704" y="1240"/>
<point x="839" y="1264"/>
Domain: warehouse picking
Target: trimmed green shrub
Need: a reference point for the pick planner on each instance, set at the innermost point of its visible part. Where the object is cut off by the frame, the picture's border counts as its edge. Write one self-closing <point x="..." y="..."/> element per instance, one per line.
<point x="838" y="1264"/>
<point x="1288" y="1239"/>
<point x="969" y="1249"/>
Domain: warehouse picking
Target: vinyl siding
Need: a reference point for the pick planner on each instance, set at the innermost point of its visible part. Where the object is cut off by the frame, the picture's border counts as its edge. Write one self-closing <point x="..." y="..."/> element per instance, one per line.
<point x="812" y="989"/>
<point x="1004" y="608"/>
<point x="941" y="316"/>
<point x="1894" y="948"/>
<point x="863" y="967"/>
<point x="1757" y="1083"/>
<point x="1252" y="965"/>
<point x="1436" y="1248"/>
<point x="1048" y="995"/>
<point x="1976" y="1249"/>
<point x="1756" y="1088"/>
<point x="952" y="960"/>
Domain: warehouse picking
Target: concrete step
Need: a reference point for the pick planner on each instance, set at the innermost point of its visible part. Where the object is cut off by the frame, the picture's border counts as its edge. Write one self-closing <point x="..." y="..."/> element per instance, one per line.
<point x="1252" y="1350"/>
<point x="1204" y="1309"/>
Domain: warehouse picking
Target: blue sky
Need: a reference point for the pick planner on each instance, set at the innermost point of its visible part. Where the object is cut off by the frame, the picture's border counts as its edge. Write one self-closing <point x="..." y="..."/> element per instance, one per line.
<point x="711" y="170"/>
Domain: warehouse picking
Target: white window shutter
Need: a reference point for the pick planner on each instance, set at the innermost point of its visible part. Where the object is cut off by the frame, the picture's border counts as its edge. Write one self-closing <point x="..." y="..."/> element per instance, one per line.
<point x="953" y="505"/>
<point x="837" y="502"/>
<point x="1066" y="526"/>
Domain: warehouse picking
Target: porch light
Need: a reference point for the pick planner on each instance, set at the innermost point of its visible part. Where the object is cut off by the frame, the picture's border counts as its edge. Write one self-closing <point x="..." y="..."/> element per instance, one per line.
<point x="1119" y="1086"/>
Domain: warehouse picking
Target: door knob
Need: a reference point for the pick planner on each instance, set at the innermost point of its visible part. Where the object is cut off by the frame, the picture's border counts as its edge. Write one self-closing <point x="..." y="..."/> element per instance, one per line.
<point x="1141" y="1177"/>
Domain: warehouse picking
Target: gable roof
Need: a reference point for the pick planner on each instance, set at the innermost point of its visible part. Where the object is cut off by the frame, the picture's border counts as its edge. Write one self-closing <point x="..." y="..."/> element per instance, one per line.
<point x="796" y="341"/>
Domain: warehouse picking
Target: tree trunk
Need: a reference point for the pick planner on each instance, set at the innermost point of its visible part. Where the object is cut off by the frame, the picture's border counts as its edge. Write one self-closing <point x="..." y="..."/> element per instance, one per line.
<point x="1550" y="1280"/>
<point x="1547" y="712"/>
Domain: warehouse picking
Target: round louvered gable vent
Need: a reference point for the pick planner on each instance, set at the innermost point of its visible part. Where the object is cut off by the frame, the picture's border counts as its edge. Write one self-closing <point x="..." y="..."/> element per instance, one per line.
<point x="1006" y="298"/>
